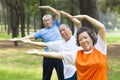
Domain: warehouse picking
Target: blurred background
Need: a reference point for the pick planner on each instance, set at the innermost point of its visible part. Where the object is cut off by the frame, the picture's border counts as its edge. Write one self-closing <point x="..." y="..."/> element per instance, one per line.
<point x="19" y="18"/>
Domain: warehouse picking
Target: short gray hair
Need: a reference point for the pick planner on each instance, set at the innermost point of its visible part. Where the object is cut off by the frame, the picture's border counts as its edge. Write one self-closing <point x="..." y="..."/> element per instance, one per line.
<point x="46" y="16"/>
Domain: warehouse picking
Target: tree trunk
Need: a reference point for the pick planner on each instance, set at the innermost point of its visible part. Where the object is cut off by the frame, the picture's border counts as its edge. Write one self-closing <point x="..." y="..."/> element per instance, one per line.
<point x="28" y="23"/>
<point x="42" y="2"/>
<point x="14" y="17"/>
<point x="22" y="18"/>
<point x="72" y="13"/>
<point x="34" y="23"/>
<point x="14" y="22"/>
<point x="8" y="22"/>
<point x="89" y="7"/>
<point x="4" y="13"/>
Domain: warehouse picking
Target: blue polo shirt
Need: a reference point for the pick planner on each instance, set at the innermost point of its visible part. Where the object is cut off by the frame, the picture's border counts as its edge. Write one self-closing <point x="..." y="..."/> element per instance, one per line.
<point x="49" y="34"/>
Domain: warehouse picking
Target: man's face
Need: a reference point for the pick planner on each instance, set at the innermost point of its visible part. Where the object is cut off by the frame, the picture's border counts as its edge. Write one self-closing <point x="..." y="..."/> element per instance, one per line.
<point x="65" y="32"/>
<point x="48" y="22"/>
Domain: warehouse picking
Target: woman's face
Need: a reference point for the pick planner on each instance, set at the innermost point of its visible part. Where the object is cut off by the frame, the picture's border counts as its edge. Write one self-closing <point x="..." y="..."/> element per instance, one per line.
<point x="85" y="41"/>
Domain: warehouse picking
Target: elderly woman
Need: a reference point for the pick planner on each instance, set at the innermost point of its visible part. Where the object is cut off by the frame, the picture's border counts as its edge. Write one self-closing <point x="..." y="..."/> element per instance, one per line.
<point x="91" y="62"/>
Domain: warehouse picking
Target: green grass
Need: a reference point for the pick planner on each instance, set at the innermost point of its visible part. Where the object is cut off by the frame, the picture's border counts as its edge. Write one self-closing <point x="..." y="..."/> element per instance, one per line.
<point x="114" y="68"/>
<point x="113" y="37"/>
<point x="15" y="65"/>
<point x="3" y="35"/>
<point x="18" y="74"/>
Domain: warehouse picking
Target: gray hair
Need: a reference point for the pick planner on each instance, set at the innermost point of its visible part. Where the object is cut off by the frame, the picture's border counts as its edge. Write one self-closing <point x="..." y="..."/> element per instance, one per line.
<point x="66" y="25"/>
<point x="90" y="32"/>
<point x="46" y="16"/>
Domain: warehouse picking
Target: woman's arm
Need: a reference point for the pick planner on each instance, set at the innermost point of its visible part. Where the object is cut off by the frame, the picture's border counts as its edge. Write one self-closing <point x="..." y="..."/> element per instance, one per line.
<point x="95" y="23"/>
<point x="74" y="20"/>
<point x="56" y="55"/>
<point x="56" y="12"/>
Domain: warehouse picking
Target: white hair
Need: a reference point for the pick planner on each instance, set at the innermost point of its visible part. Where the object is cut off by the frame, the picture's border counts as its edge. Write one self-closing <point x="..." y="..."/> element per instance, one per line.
<point x="46" y="16"/>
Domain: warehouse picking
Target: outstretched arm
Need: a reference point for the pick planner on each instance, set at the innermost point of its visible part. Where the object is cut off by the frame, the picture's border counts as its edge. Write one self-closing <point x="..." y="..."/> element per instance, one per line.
<point x="56" y="55"/>
<point x="28" y="37"/>
<point x="42" y="44"/>
<point x="74" y="20"/>
<point x="56" y="12"/>
<point x="23" y="38"/>
<point x="28" y="41"/>
<point x="95" y="23"/>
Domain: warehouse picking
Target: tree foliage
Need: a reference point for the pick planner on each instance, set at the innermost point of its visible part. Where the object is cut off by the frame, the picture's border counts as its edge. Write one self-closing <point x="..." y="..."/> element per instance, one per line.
<point x="110" y="5"/>
<point x="27" y="14"/>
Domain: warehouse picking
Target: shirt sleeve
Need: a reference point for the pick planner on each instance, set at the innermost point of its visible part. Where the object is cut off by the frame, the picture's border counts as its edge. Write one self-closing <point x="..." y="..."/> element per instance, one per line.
<point x="54" y="46"/>
<point x="57" y="23"/>
<point x="75" y="31"/>
<point x="101" y="45"/>
<point x="69" y="57"/>
<point x="38" y="34"/>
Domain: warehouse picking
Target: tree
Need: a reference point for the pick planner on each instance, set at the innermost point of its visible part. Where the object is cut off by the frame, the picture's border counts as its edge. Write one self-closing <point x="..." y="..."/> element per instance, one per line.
<point x="16" y="10"/>
<point x="89" y="7"/>
<point x="111" y="5"/>
<point x="42" y="2"/>
<point x="4" y="13"/>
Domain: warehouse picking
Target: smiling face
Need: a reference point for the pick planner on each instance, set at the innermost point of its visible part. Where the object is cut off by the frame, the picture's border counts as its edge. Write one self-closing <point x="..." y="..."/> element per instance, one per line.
<point x="85" y="41"/>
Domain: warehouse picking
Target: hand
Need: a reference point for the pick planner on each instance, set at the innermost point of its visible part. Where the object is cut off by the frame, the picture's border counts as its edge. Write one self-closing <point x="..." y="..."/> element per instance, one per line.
<point x="43" y="7"/>
<point x="62" y="12"/>
<point x="25" y="40"/>
<point x="33" y="51"/>
<point x="15" y="39"/>
<point x="79" y="17"/>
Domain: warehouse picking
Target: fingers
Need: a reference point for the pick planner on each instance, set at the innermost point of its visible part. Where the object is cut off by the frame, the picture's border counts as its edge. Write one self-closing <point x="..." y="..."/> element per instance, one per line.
<point x="15" y="39"/>
<point x="74" y="16"/>
<point x="25" y="40"/>
<point x="62" y="12"/>
<point x="79" y="17"/>
<point x="43" y="7"/>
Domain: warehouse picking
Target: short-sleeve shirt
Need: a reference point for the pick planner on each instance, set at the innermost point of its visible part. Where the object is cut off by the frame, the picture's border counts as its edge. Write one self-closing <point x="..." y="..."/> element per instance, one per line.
<point x="49" y="34"/>
<point x="90" y="65"/>
<point x="61" y="46"/>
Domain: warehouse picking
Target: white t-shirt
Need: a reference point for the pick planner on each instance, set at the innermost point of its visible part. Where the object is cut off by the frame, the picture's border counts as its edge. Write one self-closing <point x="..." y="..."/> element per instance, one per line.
<point x="65" y="46"/>
<point x="70" y="57"/>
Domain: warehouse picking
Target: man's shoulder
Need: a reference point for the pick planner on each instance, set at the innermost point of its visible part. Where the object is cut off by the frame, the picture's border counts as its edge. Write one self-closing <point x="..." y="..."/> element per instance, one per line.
<point x="56" y="42"/>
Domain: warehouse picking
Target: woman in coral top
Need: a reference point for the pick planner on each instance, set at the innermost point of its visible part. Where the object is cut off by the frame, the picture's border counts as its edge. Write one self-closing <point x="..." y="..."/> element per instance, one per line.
<point x="91" y="62"/>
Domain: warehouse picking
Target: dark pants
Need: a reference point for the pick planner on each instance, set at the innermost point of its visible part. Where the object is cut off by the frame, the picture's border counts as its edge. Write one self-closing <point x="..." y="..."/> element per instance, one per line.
<point x="49" y="64"/>
<point x="74" y="77"/>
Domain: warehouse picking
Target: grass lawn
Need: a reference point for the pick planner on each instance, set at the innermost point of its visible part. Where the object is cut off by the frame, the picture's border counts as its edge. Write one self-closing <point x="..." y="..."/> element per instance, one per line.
<point x="113" y="37"/>
<point x="15" y="65"/>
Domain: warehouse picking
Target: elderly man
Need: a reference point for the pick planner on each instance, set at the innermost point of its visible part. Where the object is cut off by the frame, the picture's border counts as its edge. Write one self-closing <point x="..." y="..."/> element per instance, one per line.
<point x="49" y="34"/>
<point x="68" y="44"/>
